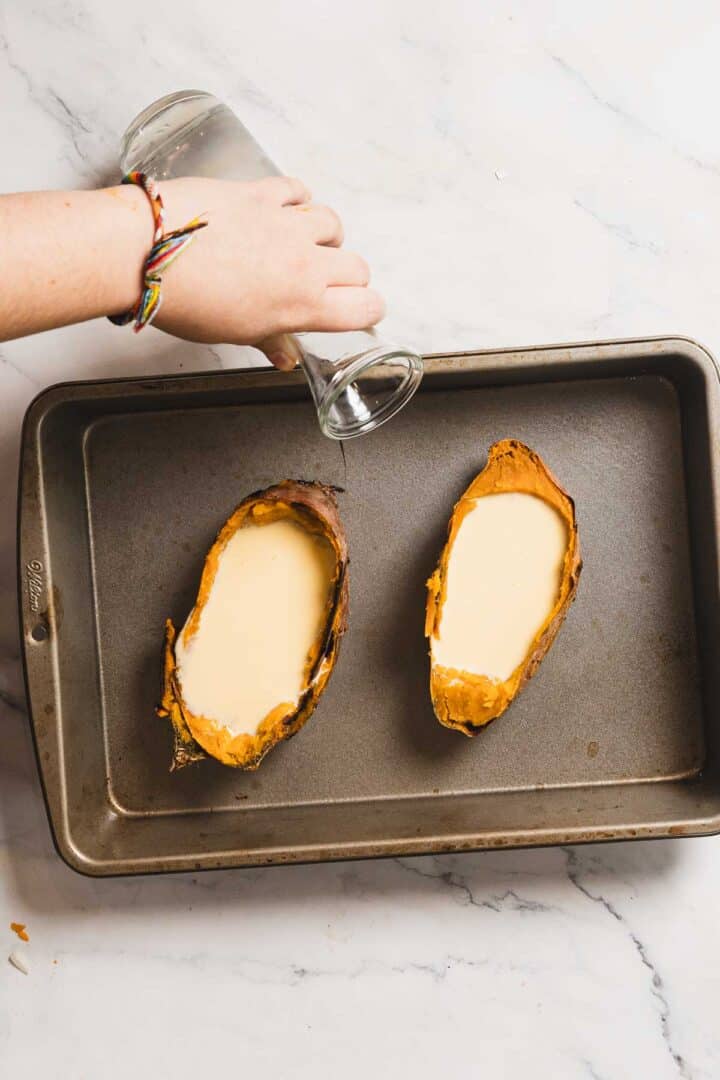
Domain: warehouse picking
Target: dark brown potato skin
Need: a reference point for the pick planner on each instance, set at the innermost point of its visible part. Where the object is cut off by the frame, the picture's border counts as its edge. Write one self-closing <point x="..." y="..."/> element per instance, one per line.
<point x="315" y="507"/>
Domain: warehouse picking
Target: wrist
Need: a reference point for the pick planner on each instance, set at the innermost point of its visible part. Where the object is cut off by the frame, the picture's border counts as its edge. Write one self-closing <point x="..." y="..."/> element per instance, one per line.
<point x="165" y="203"/>
<point x="184" y="200"/>
<point x="128" y="214"/>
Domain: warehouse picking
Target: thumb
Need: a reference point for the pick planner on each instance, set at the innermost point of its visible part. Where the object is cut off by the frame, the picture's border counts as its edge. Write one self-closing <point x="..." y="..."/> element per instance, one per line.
<point x="282" y="350"/>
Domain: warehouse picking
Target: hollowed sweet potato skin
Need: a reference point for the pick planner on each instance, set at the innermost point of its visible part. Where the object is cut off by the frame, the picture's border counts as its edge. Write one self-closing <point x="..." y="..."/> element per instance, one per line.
<point x="462" y="700"/>
<point x="314" y="506"/>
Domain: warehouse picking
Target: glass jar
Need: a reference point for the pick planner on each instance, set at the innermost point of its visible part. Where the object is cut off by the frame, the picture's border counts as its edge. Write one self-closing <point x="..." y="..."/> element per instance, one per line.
<point x="357" y="380"/>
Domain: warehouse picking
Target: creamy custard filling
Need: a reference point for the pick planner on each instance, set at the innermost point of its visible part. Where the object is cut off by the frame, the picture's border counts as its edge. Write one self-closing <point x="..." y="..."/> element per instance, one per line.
<point x="265" y="610"/>
<point x="503" y="579"/>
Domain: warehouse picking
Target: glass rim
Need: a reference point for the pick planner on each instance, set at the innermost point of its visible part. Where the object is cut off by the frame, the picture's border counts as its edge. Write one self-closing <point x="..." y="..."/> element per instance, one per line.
<point x="395" y="402"/>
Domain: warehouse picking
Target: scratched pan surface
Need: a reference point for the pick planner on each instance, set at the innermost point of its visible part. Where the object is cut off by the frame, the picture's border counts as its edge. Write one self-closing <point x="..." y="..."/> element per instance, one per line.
<point x="124" y="485"/>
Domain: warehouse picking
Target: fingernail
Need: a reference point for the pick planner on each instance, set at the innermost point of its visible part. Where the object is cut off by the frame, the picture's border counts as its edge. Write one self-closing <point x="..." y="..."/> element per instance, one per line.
<point x="282" y="361"/>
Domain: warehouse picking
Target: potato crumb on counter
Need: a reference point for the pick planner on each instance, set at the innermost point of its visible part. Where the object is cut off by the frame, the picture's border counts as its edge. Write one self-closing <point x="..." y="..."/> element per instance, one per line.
<point x="18" y="961"/>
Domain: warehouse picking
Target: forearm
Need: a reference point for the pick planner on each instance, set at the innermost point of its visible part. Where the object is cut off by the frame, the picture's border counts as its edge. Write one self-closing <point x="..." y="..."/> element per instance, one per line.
<point x="268" y="264"/>
<point x="68" y="256"/>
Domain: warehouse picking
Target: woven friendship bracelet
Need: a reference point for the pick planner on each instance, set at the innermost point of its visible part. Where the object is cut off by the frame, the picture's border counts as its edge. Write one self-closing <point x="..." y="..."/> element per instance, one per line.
<point x="166" y="248"/>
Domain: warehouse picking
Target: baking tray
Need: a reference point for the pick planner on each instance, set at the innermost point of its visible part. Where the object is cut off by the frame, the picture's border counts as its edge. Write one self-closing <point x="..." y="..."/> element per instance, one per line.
<point x="124" y="484"/>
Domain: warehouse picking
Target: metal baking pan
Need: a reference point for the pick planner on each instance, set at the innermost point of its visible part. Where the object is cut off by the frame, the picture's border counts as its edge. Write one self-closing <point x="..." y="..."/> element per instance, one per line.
<point x="124" y="484"/>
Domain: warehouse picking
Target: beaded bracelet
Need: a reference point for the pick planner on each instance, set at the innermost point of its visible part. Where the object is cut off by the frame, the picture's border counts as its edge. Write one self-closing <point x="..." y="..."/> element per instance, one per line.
<point x="166" y="248"/>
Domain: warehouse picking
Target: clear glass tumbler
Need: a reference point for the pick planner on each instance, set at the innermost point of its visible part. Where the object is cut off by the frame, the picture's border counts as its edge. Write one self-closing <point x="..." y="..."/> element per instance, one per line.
<point x="358" y="381"/>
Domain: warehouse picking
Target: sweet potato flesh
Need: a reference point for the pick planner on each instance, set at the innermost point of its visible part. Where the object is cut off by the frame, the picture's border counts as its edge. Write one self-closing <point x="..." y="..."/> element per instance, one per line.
<point x="247" y="655"/>
<point x="502" y="587"/>
<point x="503" y="579"/>
<point x="256" y="651"/>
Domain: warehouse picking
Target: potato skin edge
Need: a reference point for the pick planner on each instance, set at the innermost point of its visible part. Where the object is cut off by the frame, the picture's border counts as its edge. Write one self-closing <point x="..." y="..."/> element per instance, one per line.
<point x="197" y="737"/>
<point x="462" y="700"/>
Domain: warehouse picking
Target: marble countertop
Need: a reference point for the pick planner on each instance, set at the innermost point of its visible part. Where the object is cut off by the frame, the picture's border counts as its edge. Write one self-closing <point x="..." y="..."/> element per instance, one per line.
<point x="516" y="173"/>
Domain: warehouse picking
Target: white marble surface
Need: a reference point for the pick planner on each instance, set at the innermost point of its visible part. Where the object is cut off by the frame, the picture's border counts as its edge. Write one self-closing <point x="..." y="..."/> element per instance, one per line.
<point x="516" y="173"/>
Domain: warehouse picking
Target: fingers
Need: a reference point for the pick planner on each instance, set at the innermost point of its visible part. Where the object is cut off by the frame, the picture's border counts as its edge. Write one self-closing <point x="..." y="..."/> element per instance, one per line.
<point x="285" y="190"/>
<point x="343" y="267"/>
<point x="347" y="307"/>
<point x="323" y="224"/>
<point x="281" y="350"/>
<point x="343" y="307"/>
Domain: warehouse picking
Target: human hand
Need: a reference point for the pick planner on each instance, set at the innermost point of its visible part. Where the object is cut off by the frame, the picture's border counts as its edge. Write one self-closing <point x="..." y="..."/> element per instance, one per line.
<point x="268" y="264"/>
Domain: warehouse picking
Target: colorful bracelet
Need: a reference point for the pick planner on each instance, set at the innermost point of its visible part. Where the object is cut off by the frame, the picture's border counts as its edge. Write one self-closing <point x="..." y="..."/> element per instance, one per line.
<point x="166" y="248"/>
